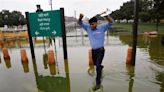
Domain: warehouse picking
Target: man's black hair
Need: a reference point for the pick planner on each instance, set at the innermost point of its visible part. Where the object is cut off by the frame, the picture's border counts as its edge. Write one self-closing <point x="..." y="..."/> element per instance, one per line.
<point x="93" y="19"/>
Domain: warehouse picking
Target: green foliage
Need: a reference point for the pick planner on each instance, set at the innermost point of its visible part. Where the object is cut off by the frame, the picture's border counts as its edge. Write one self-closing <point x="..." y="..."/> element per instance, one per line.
<point x="145" y="16"/>
<point x="125" y="12"/>
<point x="117" y="15"/>
<point x="149" y="10"/>
<point x="13" y="18"/>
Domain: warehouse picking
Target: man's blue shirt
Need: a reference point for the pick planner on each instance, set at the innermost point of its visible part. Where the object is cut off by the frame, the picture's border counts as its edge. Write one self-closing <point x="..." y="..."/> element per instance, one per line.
<point x="97" y="35"/>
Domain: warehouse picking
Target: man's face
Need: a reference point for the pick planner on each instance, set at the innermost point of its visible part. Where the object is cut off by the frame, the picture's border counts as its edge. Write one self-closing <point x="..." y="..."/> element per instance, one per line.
<point x="93" y="25"/>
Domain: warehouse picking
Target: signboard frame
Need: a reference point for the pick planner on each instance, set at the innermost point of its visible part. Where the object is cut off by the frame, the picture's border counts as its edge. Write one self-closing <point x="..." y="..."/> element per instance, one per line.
<point x="47" y="23"/>
<point x="63" y="33"/>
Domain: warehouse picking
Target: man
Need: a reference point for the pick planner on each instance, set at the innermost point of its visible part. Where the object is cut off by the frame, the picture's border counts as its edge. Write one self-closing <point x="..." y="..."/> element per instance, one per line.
<point x="96" y="34"/>
<point x="39" y="8"/>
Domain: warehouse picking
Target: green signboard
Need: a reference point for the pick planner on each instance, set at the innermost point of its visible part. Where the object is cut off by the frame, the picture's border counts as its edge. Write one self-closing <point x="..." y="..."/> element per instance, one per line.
<point x="46" y="23"/>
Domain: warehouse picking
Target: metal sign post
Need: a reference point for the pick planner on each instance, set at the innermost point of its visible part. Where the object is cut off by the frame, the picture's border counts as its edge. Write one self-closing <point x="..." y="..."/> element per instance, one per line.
<point x="47" y="23"/>
<point x="135" y="28"/>
<point x="30" y="37"/>
<point x="64" y="34"/>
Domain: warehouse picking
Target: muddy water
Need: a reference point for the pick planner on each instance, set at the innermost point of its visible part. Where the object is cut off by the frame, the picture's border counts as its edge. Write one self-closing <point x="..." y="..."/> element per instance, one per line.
<point x="72" y="75"/>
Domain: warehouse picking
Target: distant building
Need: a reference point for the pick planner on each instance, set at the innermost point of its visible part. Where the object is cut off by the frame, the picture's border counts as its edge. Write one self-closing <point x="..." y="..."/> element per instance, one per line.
<point x="14" y="29"/>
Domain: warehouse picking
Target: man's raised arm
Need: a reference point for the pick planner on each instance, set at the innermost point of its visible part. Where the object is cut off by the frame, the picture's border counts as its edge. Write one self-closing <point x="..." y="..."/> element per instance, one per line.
<point x="109" y="19"/>
<point x="81" y="23"/>
<point x="80" y="18"/>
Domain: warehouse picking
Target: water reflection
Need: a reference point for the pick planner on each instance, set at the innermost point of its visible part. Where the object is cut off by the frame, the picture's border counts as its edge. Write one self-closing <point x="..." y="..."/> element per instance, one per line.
<point x="99" y="90"/>
<point x="0" y="59"/>
<point x="19" y="42"/>
<point x="131" y="74"/>
<point x="52" y="83"/>
<point x="152" y="45"/>
<point x="45" y="59"/>
<point x="25" y="67"/>
<point x="7" y="63"/>
<point x="52" y="68"/>
<point x="91" y="70"/>
<point x="160" y="78"/>
<point x="11" y="42"/>
<point x="156" y="50"/>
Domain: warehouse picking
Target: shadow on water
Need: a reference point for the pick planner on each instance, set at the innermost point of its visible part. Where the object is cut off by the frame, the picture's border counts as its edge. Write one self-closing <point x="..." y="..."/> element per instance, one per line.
<point x="52" y="83"/>
<point x="159" y="76"/>
<point x="7" y="63"/>
<point x="25" y="67"/>
<point x="91" y="70"/>
<point x="131" y="73"/>
<point x="45" y="59"/>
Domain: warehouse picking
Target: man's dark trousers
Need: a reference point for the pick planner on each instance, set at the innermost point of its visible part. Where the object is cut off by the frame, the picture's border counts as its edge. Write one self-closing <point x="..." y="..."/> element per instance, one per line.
<point x="97" y="57"/>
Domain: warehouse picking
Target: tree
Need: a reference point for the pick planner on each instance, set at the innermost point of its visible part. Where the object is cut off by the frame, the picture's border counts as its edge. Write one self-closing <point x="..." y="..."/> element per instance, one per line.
<point x="127" y="10"/>
<point x="158" y="11"/>
<point x="148" y="10"/>
<point x="145" y="16"/>
<point x="18" y="18"/>
<point x="5" y="17"/>
<point x="1" y="20"/>
<point x="13" y="18"/>
<point x="117" y="15"/>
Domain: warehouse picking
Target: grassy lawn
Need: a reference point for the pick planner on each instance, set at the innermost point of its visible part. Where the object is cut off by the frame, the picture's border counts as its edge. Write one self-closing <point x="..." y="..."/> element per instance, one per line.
<point x="142" y="27"/>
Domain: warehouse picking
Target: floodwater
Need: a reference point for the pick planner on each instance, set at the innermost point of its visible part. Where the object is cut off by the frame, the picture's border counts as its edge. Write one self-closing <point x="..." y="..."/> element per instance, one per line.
<point x="75" y="75"/>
